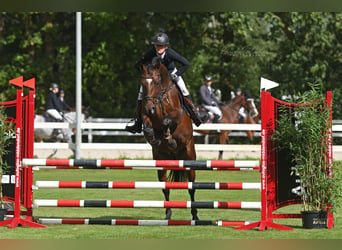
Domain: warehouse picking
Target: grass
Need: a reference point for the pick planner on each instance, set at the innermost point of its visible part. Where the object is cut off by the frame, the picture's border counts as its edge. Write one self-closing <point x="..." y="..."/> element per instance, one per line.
<point x="153" y="232"/>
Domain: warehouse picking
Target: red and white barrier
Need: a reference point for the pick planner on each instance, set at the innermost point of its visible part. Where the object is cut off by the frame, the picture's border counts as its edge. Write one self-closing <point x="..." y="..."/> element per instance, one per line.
<point x="148" y="204"/>
<point x="150" y="185"/>
<point x="117" y="222"/>
<point x="172" y="164"/>
<point x="149" y="168"/>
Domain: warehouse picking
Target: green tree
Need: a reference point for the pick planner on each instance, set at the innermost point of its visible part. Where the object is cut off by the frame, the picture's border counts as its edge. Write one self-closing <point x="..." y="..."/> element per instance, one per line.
<point x="309" y="51"/>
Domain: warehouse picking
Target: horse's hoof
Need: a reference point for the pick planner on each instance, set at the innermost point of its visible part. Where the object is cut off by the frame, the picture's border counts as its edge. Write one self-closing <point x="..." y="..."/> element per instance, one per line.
<point x="168" y="214"/>
<point x="172" y="145"/>
<point x="155" y="142"/>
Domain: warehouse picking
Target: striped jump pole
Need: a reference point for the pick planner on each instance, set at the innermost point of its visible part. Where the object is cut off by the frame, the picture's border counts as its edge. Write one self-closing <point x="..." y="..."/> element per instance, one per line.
<point x="150" y="185"/>
<point x="172" y="164"/>
<point x="116" y="222"/>
<point x="148" y="168"/>
<point x="148" y="204"/>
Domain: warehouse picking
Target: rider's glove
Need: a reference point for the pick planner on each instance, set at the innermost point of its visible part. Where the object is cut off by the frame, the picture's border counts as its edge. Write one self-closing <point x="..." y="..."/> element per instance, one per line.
<point x="174" y="77"/>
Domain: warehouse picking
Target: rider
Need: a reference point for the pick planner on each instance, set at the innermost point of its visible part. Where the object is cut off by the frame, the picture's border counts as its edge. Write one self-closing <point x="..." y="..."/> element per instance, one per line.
<point x="169" y="56"/>
<point x="64" y="106"/>
<point x="209" y="100"/>
<point x="53" y="105"/>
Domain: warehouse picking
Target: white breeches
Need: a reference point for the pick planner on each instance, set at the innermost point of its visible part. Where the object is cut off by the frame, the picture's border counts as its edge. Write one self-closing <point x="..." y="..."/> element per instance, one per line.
<point x="242" y="112"/>
<point x="215" y="110"/>
<point x="55" y="114"/>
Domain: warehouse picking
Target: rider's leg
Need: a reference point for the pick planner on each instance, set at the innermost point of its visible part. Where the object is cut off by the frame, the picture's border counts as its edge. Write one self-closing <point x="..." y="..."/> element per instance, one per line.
<point x="242" y="115"/>
<point x="192" y="110"/>
<point x="55" y="114"/>
<point x="136" y="127"/>
<point x="59" y="118"/>
<point x="216" y="111"/>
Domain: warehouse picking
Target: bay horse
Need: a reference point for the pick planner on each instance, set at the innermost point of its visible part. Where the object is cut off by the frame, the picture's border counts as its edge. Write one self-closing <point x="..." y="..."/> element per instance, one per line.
<point x="166" y="126"/>
<point x="230" y="114"/>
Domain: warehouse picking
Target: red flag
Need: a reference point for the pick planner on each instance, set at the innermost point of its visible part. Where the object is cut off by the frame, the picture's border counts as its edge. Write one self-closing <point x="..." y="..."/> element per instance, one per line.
<point x="17" y="81"/>
<point x="30" y="83"/>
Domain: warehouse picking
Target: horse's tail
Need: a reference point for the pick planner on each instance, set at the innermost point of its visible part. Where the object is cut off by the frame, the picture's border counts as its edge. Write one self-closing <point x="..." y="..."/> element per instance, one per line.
<point x="178" y="176"/>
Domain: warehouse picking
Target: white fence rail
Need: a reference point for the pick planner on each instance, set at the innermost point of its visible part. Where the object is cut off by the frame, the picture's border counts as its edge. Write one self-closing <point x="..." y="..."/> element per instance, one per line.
<point x="116" y="127"/>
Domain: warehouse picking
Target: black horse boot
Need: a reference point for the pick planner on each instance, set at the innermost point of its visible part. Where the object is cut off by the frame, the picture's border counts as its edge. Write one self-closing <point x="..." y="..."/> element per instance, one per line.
<point x="192" y="110"/>
<point x="137" y="126"/>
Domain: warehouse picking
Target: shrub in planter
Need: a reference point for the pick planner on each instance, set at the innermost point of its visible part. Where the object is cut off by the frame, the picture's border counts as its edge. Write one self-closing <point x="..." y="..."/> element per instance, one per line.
<point x="304" y="132"/>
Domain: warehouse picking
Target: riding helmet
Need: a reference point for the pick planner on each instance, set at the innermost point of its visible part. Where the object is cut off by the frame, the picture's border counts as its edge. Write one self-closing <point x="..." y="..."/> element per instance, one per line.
<point x="53" y="85"/>
<point x="208" y="78"/>
<point x="160" y="39"/>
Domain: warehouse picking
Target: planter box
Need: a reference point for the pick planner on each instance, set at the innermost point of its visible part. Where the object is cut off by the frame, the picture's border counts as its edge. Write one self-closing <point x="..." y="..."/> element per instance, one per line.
<point x="3" y="212"/>
<point x="314" y="219"/>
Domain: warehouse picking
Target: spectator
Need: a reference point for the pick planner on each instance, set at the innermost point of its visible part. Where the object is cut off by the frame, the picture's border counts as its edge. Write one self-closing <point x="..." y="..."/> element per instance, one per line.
<point x="209" y="100"/>
<point x="64" y="105"/>
<point x="53" y="104"/>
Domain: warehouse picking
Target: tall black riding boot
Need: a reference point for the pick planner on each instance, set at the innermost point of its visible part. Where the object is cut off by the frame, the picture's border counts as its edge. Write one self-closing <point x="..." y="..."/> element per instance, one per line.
<point x="192" y="110"/>
<point x="216" y="117"/>
<point x="137" y="126"/>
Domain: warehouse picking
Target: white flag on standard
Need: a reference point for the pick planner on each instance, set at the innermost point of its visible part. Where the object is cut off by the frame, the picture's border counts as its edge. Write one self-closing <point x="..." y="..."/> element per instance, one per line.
<point x="267" y="84"/>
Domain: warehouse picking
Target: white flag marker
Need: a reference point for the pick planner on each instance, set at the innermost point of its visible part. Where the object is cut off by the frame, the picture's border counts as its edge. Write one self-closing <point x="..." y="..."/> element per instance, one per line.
<point x="267" y="84"/>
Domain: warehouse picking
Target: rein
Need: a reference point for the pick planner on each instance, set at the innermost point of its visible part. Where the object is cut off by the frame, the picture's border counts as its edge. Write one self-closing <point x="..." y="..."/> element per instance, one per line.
<point x="161" y="94"/>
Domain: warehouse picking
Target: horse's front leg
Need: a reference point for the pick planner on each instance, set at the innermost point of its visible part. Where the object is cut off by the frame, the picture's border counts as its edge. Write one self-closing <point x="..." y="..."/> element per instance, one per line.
<point x="149" y="134"/>
<point x="170" y="141"/>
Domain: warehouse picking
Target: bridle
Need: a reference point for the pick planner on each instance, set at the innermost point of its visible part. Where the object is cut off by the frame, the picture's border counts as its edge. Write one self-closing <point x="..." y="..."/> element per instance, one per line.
<point x="162" y="93"/>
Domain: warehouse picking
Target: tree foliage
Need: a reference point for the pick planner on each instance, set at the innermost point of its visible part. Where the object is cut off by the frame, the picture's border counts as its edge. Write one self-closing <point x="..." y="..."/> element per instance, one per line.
<point x="237" y="48"/>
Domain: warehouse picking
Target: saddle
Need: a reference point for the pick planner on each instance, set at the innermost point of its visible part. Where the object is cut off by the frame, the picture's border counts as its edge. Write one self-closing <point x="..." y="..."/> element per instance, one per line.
<point x="205" y="115"/>
<point x="49" y="118"/>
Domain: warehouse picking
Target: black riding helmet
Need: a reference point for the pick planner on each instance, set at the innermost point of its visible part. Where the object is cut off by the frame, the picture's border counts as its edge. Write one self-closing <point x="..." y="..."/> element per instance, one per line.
<point x="54" y="85"/>
<point x="160" y="39"/>
<point x="208" y="78"/>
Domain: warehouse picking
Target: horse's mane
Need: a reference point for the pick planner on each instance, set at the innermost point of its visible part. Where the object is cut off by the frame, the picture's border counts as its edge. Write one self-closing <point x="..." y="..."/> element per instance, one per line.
<point x="157" y="63"/>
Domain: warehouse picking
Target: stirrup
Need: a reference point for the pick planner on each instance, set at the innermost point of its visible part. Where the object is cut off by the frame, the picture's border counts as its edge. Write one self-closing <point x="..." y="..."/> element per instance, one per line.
<point x="197" y="121"/>
<point x="135" y="128"/>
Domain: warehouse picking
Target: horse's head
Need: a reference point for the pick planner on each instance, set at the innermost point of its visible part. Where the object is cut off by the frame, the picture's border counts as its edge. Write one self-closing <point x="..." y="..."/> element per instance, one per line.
<point x="253" y="111"/>
<point x="246" y="102"/>
<point x="154" y="79"/>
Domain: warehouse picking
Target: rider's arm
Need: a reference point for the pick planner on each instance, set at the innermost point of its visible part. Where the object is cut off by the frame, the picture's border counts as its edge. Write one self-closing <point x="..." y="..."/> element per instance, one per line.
<point x="174" y="56"/>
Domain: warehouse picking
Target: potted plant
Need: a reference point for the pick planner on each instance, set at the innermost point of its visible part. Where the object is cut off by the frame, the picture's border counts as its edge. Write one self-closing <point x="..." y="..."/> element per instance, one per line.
<point x="304" y="132"/>
<point x="5" y="136"/>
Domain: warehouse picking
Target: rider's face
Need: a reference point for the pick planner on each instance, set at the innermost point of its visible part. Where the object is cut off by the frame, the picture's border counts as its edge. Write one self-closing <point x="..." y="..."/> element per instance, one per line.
<point x="160" y="48"/>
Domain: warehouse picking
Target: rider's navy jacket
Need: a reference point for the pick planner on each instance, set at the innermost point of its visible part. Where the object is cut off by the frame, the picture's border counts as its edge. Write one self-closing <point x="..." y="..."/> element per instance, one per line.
<point x="52" y="102"/>
<point x="168" y="60"/>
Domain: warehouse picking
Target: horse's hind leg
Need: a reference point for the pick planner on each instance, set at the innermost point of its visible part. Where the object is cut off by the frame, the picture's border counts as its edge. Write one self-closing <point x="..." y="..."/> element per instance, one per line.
<point x="191" y="155"/>
<point x="191" y="178"/>
<point x="163" y="177"/>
